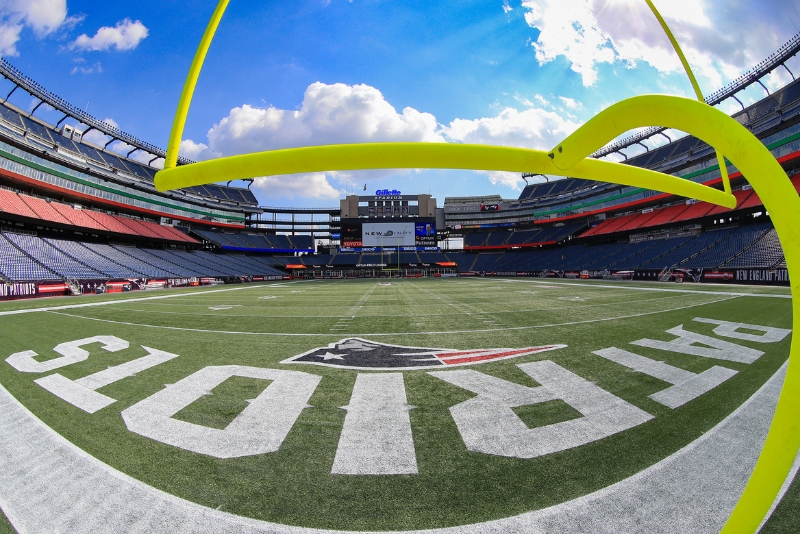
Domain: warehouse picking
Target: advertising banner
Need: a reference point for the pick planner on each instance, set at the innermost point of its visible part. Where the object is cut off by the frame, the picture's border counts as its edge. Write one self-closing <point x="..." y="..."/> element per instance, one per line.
<point x="388" y="234"/>
<point x="16" y="290"/>
<point x="425" y="234"/>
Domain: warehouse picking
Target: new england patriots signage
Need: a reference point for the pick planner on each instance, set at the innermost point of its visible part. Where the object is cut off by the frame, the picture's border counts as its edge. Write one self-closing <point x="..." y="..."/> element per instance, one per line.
<point x="357" y="353"/>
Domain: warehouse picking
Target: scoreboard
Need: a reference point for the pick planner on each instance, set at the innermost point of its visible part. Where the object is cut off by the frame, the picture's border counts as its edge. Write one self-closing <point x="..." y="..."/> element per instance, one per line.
<point x="365" y="236"/>
<point x="389" y="220"/>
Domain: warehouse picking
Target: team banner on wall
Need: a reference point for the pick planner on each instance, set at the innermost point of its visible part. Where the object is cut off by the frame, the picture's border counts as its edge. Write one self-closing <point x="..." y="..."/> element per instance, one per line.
<point x="388" y="235"/>
<point x="16" y="290"/>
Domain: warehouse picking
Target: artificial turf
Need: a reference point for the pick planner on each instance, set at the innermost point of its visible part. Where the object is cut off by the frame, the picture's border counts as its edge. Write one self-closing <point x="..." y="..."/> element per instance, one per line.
<point x="262" y="325"/>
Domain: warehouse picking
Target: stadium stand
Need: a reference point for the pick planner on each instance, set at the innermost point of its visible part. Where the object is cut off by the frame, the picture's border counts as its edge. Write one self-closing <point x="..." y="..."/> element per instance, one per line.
<point x="463" y="260"/>
<point x="658" y="248"/>
<point x="53" y="259"/>
<point x="346" y="259"/>
<point x="689" y="249"/>
<point x="181" y="266"/>
<point x="17" y="266"/>
<point x="92" y="259"/>
<point x="44" y="210"/>
<point x="433" y="257"/>
<point x="78" y="217"/>
<point x="497" y="239"/>
<point x="723" y="250"/>
<point x="10" y="202"/>
<point x="475" y="240"/>
<point x="319" y="260"/>
<point x="763" y="253"/>
<point x="128" y="256"/>
<point x="486" y="261"/>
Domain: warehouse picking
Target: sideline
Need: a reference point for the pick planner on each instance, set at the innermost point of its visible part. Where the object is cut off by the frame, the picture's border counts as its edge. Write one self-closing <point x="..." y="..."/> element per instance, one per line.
<point x="659" y="289"/>
<point x="123" y="301"/>
<point x="47" y="484"/>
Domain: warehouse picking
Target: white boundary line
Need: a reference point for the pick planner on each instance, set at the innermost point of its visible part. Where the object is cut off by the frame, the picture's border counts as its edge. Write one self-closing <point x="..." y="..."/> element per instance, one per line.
<point x="431" y="333"/>
<point x="658" y="289"/>
<point x="123" y="301"/>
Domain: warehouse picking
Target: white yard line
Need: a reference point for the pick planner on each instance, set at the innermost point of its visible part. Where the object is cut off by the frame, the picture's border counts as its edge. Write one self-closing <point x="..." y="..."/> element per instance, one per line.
<point x="121" y="301"/>
<point x="431" y="333"/>
<point x="381" y="307"/>
<point x="47" y="484"/>
<point x="657" y="289"/>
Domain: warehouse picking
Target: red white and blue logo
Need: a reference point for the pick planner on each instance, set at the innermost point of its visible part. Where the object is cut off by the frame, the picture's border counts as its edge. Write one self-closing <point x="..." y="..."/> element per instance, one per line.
<point x="357" y="353"/>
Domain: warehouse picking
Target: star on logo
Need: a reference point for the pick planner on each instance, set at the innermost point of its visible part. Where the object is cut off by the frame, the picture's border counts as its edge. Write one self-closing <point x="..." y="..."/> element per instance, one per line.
<point x="357" y="353"/>
<point x="330" y="356"/>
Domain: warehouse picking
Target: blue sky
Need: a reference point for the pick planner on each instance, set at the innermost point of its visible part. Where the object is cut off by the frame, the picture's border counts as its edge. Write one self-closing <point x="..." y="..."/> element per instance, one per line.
<point x="279" y="74"/>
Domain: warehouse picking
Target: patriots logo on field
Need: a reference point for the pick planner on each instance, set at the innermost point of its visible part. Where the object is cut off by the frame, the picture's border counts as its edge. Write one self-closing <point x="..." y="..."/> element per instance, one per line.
<point x="357" y="353"/>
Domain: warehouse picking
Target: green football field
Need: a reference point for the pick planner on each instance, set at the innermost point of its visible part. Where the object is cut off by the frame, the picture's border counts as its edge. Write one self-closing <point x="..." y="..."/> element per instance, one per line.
<point x="406" y="458"/>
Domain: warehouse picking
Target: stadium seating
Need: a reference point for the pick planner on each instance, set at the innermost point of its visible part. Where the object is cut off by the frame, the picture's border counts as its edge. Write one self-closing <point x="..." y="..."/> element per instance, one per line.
<point x="44" y="210"/>
<point x="556" y="234"/>
<point x="345" y="259"/>
<point x="10" y="202"/>
<point x="520" y="237"/>
<point x="181" y="265"/>
<point x="497" y="239"/>
<point x="486" y="261"/>
<point x="77" y="217"/>
<point x="93" y="260"/>
<point x="432" y="257"/>
<point x="690" y="248"/>
<point x="128" y="256"/>
<point x="723" y="250"/>
<point x="763" y="253"/>
<point x="657" y="248"/>
<point x="318" y="259"/>
<point x="463" y="260"/>
<point x="475" y="240"/>
<point x="409" y="257"/>
<point x="16" y="266"/>
<point x="54" y="259"/>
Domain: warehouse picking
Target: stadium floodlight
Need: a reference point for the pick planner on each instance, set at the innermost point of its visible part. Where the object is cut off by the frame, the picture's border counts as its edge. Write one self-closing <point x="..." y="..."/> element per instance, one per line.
<point x="570" y="158"/>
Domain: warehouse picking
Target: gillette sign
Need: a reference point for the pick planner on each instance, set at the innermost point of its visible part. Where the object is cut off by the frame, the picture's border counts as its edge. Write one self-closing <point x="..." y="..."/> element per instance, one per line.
<point x="388" y="194"/>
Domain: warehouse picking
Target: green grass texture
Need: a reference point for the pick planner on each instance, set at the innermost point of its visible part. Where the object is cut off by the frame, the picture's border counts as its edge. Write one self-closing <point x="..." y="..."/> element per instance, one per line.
<point x="262" y="324"/>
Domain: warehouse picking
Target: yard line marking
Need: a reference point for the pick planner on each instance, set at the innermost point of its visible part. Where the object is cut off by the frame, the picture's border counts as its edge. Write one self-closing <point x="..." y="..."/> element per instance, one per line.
<point x="456" y="306"/>
<point x="660" y="289"/>
<point x="124" y="301"/>
<point x="432" y="333"/>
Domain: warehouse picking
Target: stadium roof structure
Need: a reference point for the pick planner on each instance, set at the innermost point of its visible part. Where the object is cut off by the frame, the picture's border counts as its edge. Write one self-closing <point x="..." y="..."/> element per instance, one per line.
<point x="21" y="81"/>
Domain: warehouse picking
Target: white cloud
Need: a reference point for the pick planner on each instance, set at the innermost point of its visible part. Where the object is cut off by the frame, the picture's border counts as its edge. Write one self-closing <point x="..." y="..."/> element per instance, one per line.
<point x="507" y="7"/>
<point x="530" y="128"/>
<point x="42" y="16"/>
<point x="512" y="180"/>
<point x="196" y="151"/>
<point x="592" y="32"/>
<point x="96" y="68"/>
<point x="338" y="113"/>
<point x="312" y="185"/>
<point x="126" y="35"/>
<point x="571" y="103"/>
<point x="329" y="114"/>
<point x="568" y="28"/>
